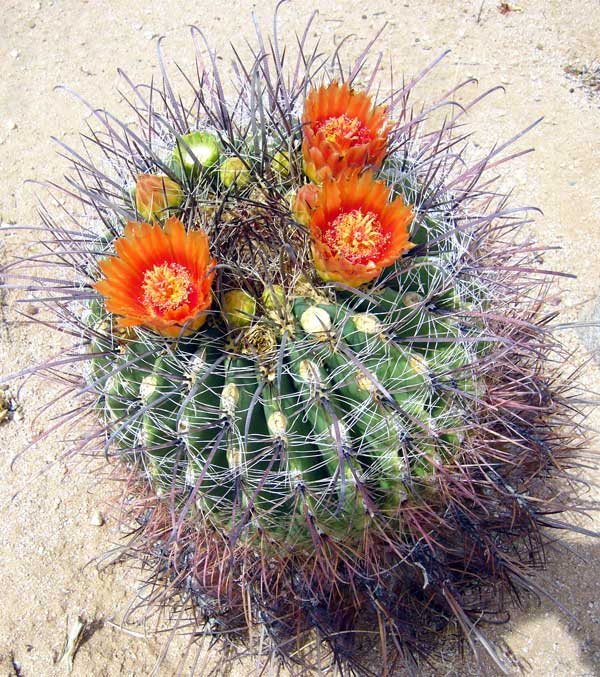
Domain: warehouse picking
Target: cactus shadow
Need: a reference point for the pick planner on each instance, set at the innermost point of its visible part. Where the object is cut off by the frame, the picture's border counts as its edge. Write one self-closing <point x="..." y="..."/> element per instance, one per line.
<point x="543" y="639"/>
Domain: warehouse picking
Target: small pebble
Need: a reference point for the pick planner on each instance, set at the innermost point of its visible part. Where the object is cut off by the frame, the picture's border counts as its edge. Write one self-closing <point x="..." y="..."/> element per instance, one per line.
<point x="15" y="53"/>
<point x="96" y="519"/>
<point x="11" y="124"/>
<point x="30" y="309"/>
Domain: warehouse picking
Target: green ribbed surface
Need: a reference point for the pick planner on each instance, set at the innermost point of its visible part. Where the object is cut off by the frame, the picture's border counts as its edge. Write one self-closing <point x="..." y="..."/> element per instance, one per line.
<point x="345" y="414"/>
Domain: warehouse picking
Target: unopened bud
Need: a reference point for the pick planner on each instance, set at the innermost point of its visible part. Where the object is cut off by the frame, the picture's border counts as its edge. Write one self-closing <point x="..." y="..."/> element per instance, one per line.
<point x="234" y="171"/>
<point x="305" y="203"/>
<point x="195" y="151"/>
<point x="239" y="308"/>
<point x="156" y="196"/>
<point x="273" y="297"/>
<point x="280" y="164"/>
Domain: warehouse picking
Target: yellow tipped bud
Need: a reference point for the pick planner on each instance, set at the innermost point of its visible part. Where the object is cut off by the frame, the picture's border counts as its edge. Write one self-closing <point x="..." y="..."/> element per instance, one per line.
<point x="234" y="171"/>
<point x="273" y="298"/>
<point x="280" y="164"/>
<point x="239" y="308"/>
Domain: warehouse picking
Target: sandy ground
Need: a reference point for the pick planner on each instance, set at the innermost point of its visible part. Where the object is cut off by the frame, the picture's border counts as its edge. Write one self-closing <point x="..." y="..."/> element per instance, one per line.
<point x="47" y="538"/>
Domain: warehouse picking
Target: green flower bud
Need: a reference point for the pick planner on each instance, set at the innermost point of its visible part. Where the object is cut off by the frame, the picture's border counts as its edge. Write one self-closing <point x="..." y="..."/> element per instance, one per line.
<point x="239" y="308"/>
<point x="273" y="298"/>
<point x="234" y="171"/>
<point x="203" y="145"/>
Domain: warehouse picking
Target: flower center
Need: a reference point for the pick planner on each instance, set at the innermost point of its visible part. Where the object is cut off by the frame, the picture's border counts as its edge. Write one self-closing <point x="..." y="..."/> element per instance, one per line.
<point x="344" y="129"/>
<point x="166" y="286"/>
<point x="357" y="236"/>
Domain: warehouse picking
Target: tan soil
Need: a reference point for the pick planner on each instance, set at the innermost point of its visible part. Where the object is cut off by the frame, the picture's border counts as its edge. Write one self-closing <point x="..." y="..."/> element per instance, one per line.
<point x="46" y="535"/>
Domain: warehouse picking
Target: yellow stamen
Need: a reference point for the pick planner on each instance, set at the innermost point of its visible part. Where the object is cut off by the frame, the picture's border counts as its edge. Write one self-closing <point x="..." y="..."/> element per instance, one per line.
<point x="345" y="128"/>
<point x="357" y="236"/>
<point x="166" y="286"/>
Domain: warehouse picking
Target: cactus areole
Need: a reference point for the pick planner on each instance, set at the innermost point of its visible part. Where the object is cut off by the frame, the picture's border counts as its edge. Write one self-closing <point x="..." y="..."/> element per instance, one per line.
<point x="317" y="350"/>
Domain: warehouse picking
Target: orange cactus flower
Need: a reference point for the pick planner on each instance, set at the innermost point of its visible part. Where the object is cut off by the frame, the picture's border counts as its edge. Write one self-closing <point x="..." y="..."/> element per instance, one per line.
<point x="355" y="233"/>
<point x="341" y="129"/>
<point x="159" y="278"/>
<point x="156" y="196"/>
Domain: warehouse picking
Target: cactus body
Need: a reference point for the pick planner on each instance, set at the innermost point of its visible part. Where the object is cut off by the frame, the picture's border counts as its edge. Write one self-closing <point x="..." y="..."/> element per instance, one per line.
<point x="346" y="417"/>
<point x="325" y="370"/>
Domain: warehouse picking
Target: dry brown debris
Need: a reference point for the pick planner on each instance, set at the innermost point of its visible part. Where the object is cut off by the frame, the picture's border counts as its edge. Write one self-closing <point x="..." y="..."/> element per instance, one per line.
<point x="506" y="8"/>
<point x="588" y="75"/>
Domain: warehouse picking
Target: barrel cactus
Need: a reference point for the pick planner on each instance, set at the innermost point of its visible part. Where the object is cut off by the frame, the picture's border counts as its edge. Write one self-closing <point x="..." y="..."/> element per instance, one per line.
<point x="321" y="357"/>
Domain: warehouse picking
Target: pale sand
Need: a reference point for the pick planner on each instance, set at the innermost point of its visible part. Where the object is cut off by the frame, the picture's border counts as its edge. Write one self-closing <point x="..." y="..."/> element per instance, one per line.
<point x="46" y="537"/>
